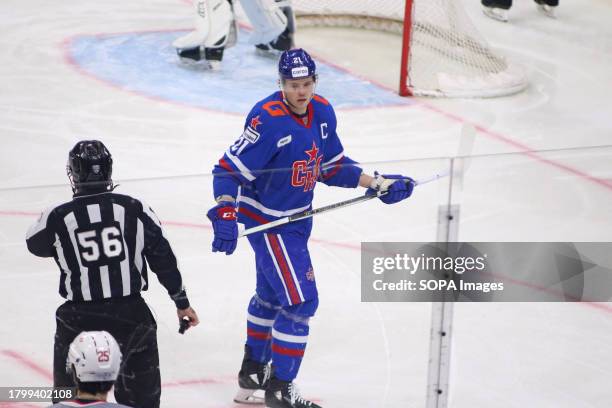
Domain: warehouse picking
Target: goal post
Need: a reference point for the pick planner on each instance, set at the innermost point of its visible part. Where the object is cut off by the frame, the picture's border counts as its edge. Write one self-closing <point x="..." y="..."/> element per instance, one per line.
<point x="443" y="53"/>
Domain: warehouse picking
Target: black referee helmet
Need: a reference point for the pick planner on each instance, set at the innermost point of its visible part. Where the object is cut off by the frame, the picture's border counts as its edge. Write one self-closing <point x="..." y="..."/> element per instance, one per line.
<point x="90" y="167"/>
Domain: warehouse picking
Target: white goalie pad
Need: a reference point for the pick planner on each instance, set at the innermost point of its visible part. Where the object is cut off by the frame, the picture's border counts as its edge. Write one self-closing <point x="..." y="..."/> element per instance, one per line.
<point x="213" y="25"/>
<point x="267" y="18"/>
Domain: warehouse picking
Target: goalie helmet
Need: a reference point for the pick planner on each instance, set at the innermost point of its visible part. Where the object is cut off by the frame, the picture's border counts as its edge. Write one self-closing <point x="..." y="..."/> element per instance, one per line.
<point x="94" y="357"/>
<point x="90" y="166"/>
<point x="296" y="64"/>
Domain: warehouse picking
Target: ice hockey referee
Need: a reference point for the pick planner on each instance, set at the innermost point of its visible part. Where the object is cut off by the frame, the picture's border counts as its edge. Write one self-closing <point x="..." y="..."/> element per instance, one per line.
<point x="102" y="243"/>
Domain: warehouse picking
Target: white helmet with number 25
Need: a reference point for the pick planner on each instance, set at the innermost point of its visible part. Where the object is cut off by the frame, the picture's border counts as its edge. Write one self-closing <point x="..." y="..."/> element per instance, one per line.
<point x="94" y="356"/>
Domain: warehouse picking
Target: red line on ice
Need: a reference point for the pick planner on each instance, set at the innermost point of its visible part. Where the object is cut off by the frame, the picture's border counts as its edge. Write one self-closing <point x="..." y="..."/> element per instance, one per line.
<point x="26" y="362"/>
<point x="597" y="305"/>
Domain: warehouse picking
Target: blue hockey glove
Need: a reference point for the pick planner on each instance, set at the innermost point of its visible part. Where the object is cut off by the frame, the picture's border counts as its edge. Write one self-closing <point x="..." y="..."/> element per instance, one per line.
<point x="225" y="227"/>
<point x="398" y="187"/>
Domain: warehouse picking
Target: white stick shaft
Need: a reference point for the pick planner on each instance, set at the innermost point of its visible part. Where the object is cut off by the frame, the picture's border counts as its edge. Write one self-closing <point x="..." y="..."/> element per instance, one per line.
<point x="264" y="227"/>
<point x="433" y="177"/>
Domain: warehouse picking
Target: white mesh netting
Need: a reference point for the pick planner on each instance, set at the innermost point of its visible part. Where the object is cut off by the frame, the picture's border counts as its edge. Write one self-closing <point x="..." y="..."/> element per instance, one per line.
<point x="448" y="56"/>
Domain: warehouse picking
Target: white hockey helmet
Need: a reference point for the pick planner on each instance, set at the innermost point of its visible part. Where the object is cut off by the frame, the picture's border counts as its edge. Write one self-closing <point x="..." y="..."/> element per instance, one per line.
<point x="94" y="356"/>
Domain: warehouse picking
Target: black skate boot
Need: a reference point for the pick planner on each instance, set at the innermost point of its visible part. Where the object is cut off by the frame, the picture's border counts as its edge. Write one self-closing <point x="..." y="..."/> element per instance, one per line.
<point x="253" y="379"/>
<point x="284" y="394"/>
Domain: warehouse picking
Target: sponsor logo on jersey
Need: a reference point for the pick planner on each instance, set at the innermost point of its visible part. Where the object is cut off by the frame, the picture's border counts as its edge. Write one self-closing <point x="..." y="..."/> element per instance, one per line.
<point x="284" y="141"/>
<point x="250" y="135"/>
<point x="306" y="172"/>
<point x="299" y="72"/>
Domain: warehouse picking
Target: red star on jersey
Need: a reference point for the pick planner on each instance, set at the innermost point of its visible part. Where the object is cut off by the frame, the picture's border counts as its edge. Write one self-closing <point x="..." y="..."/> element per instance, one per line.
<point x="312" y="153"/>
<point x="255" y="122"/>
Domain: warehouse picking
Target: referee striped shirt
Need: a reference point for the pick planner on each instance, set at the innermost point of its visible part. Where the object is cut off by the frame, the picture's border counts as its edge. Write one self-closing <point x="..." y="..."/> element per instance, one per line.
<point x="102" y="244"/>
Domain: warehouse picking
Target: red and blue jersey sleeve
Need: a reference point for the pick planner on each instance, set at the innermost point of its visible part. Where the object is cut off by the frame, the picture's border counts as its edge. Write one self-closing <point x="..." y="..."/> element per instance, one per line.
<point x="249" y="154"/>
<point x="337" y="169"/>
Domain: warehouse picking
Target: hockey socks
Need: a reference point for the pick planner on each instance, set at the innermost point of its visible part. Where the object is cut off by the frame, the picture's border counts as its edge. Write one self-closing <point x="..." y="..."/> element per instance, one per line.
<point x="289" y="338"/>
<point x="260" y="319"/>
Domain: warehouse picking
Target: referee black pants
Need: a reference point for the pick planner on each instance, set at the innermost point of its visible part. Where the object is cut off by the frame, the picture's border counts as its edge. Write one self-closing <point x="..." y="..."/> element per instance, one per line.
<point x="131" y="323"/>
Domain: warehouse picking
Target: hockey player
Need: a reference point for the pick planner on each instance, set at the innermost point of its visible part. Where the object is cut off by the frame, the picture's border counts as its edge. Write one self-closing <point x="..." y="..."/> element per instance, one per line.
<point x="102" y="243"/>
<point x="93" y="362"/>
<point x="215" y="29"/>
<point x="289" y="144"/>
<point x="498" y="9"/>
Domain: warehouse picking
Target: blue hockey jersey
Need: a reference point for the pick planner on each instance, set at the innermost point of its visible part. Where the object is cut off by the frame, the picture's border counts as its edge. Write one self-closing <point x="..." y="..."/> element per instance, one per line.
<point x="275" y="164"/>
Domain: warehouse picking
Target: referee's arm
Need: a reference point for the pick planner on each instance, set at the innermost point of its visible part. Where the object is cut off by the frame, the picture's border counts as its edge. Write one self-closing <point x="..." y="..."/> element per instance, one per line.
<point x="39" y="237"/>
<point x="161" y="259"/>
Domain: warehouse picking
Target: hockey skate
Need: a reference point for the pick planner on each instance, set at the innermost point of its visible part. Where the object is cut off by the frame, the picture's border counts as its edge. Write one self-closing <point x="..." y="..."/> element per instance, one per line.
<point x="284" y="394"/>
<point x="548" y="11"/>
<point x="253" y="379"/>
<point x="208" y="58"/>
<point x="274" y="48"/>
<point x="495" y="13"/>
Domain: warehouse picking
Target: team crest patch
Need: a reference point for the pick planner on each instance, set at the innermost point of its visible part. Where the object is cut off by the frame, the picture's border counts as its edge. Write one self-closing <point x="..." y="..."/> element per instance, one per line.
<point x="310" y="274"/>
<point x="255" y="122"/>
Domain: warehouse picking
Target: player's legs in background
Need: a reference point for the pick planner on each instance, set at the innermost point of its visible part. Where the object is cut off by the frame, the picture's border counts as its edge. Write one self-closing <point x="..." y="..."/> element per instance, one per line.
<point x="496" y="9"/>
<point x="215" y="30"/>
<point x="547" y="7"/>
<point x="503" y="4"/>
<point x="273" y="22"/>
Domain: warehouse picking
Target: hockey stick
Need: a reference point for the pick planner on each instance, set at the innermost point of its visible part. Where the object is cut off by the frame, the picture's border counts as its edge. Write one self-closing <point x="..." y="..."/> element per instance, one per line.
<point x="311" y="213"/>
<point x="465" y="146"/>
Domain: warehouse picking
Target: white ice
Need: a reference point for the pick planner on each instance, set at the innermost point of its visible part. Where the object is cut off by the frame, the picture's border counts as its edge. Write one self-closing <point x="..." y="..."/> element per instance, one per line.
<point x="359" y="354"/>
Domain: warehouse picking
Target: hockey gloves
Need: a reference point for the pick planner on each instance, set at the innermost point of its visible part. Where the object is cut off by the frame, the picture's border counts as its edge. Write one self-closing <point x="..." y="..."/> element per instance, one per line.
<point x="225" y="227"/>
<point x="397" y="187"/>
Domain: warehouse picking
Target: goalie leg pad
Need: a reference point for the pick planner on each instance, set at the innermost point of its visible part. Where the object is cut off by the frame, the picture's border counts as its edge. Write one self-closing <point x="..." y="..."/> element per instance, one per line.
<point x="267" y="18"/>
<point x="213" y="24"/>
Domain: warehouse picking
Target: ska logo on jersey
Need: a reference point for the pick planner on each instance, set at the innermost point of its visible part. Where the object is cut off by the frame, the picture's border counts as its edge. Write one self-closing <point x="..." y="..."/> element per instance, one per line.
<point x="306" y="172"/>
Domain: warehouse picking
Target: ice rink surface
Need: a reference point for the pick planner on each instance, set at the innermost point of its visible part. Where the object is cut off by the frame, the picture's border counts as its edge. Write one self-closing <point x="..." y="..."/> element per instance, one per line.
<point x="73" y="70"/>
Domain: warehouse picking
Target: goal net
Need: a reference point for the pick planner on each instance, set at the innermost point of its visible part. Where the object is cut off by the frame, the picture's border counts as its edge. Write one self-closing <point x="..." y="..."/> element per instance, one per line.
<point x="443" y="54"/>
